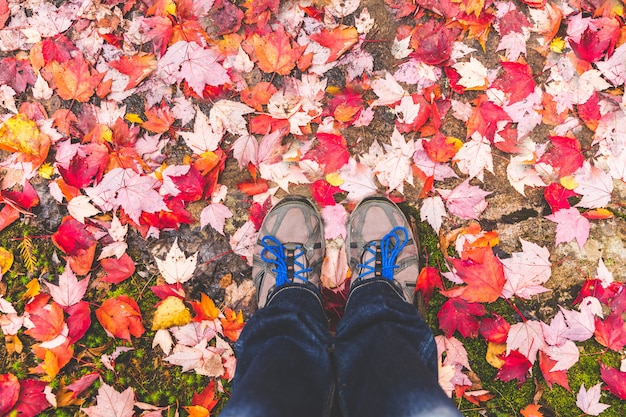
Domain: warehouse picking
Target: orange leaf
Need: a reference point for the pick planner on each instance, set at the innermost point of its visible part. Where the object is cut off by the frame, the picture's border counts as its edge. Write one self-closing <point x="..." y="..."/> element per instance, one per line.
<point x="532" y="410"/>
<point x="48" y="322"/>
<point x="258" y="95"/>
<point x="159" y="119"/>
<point x="484" y="275"/>
<point x="120" y="317"/>
<point x="205" y="309"/>
<point x="74" y="80"/>
<point x="232" y="324"/>
<point x="137" y="67"/>
<point x="275" y="52"/>
<point x="338" y="40"/>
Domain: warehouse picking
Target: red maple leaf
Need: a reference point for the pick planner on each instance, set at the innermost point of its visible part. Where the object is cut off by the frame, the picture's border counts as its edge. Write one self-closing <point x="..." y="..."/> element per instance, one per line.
<point x="495" y="329"/>
<point x="440" y="149"/>
<point x="78" y="320"/>
<point x="557" y="196"/>
<point x="137" y="67"/>
<point x="458" y="314"/>
<point x="72" y="237"/>
<point x="564" y="155"/>
<point x="324" y="193"/>
<point x="484" y="275"/>
<point x="513" y="21"/>
<point x="516" y="366"/>
<point x="120" y="317"/>
<point x="611" y="332"/>
<point x="10" y="389"/>
<point x="118" y="269"/>
<point x="57" y="49"/>
<point x="590" y="48"/>
<point x="589" y="111"/>
<point x="330" y="152"/>
<point x="79" y="173"/>
<point x="17" y="73"/>
<point x="615" y="380"/>
<point x="427" y="281"/>
<point x="552" y="377"/>
<point x="206" y="398"/>
<point x="432" y="42"/>
<point x="517" y="81"/>
<point x="594" y="288"/>
<point x="32" y="399"/>
<point x="485" y="117"/>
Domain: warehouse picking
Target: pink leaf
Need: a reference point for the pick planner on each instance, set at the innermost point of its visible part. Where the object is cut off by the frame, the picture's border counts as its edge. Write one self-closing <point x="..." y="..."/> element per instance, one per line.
<point x="570" y="225"/>
<point x="589" y="401"/>
<point x="215" y="214"/>
<point x="527" y="338"/>
<point x="526" y="271"/>
<point x="465" y="201"/>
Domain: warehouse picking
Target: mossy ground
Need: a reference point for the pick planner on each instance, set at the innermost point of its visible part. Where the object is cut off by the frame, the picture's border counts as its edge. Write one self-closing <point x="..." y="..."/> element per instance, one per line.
<point x="510" y="397"/>
<point x="154" y="381"/>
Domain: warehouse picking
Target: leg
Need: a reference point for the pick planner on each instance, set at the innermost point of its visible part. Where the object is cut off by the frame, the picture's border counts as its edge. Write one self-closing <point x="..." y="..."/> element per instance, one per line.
<point x="386" y="357"/>
<point x="283" y="361"/>
<point x="385" y="353"/>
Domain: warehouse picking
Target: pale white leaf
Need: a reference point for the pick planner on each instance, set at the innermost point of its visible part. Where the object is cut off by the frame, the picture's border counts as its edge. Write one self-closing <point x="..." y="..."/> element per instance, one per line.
<point x="110" y="403"/>
<point x="176" y="267"/>
<point x="565" y="355"/>
<point x="70" y="290"/>
<point x="527" y="338"/>
<point x="433" y="211"/>
<point x="229" y="115"/>
<point x="80" y="207"/>
<point x="473" y="73"/>
<point x="205" y="137"/>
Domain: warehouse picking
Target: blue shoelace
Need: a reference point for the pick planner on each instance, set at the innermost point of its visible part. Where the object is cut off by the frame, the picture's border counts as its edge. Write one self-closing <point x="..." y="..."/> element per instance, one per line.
<point x="285" y="261"/>
<point x="390" y="247"/>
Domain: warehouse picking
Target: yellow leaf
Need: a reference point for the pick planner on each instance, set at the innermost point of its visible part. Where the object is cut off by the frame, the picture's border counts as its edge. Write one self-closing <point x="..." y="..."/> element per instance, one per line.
<point x="6" y="260"/>
<point x="134" y="118"/>
<point x="569" y="182"/>
<point x="170" y="312"/>
<point x="13" y="344"/>
<point x="557" y="45"/>
<point x="33" y="289"/>
<point x="46" y="170"/>
<point x="20" y="134"/>
<point x="493" y="350"/>
<point x="334" y="179"/>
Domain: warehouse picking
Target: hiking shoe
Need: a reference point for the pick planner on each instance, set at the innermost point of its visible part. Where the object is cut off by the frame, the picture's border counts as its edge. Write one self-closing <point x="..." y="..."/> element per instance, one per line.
<point x="290" y="247"/>
<point x="382" y="245"/>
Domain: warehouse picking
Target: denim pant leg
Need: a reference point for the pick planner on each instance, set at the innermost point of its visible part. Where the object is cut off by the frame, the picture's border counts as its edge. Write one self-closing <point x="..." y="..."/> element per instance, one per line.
<point x="386" y="357"/>
<point x="284" y="367"/>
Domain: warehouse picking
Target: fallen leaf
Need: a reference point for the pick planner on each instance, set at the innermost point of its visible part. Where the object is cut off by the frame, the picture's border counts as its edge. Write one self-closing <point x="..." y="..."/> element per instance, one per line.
<point x="120" y="317"/>
<point x="170" y="312"/>
<point x="589" y="400"/>
<point x="74" y="80"/>
<point x="176" y="267"/>
<point x="275" y="51"/>
<point x="111" y="403"/>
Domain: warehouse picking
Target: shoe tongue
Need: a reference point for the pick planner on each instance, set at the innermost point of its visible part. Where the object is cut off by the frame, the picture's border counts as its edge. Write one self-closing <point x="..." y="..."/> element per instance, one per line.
<point x="292" y="250"/>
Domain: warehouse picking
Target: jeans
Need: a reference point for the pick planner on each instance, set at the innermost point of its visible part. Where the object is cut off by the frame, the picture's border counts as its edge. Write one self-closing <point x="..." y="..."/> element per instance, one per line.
<point x="381" y="362"/>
